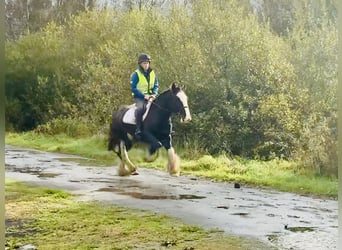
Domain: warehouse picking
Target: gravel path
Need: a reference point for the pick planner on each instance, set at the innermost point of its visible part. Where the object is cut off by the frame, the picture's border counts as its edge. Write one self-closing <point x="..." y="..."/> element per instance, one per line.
<point x="284" y="220"/>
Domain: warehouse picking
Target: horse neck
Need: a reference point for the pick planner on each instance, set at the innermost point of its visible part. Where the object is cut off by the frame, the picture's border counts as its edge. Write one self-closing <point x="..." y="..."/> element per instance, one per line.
<point x="162" y="104"/>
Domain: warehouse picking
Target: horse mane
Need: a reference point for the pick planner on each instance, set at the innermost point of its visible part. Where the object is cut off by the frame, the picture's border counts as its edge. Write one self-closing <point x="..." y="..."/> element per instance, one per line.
<point x="173" y="88"/>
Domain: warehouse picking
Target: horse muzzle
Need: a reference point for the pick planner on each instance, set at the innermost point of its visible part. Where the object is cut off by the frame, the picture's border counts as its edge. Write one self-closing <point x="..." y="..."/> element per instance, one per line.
<point x="186" y="118"/>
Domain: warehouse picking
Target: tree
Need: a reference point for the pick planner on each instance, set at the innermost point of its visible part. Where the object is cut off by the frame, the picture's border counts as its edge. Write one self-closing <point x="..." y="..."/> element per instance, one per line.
<point x="23" y="17"/>
<point x="253" y="92"/>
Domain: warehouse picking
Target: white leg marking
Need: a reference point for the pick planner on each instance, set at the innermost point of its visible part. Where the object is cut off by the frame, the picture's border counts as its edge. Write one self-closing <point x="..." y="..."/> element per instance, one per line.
<point x="173" y="164"/>
<point x="123" y="171"/>
<point x="125" y="158"/>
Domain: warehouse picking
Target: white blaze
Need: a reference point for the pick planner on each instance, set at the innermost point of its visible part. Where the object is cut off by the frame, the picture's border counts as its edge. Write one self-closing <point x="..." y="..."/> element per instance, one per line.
<point x="184" y="99"/>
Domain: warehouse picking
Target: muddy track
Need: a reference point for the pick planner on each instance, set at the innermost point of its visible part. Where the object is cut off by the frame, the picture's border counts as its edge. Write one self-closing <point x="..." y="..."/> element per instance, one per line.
<point x="284" y="220"/>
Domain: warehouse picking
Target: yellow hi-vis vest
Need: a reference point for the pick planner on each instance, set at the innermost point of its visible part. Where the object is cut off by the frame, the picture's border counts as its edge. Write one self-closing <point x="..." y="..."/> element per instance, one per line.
<point x="144" y="86"/>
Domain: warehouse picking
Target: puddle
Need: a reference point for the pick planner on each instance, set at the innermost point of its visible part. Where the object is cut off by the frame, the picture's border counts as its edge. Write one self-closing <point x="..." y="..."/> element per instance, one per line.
<point x="48" y="175"/>
<point x="142" y="196"/>
<point x="38" y="172"/>
<point x="241" y="214"/>
<point x="300" y="229"/>
<point x="224" y="207"/>
<point x="190" y="197"/>
<point x="293" y="216"/>
<point x="247" y="206"/>
<point x="268" y="205"/>
<point x="80" y="161"/>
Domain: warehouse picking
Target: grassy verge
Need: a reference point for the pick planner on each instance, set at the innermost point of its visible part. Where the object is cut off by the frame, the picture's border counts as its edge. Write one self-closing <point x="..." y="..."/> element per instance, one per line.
<point x="53" y="219"/>
<point x="277" y="174"/>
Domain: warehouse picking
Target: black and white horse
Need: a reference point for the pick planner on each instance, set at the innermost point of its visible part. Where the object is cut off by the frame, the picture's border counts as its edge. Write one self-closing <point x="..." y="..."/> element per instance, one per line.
<point x="156" y="129"/>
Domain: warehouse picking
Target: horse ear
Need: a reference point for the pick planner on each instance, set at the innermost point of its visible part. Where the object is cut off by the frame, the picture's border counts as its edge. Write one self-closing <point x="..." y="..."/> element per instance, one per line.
<point x="180" y="86"/>
<point x="174" y="88"/>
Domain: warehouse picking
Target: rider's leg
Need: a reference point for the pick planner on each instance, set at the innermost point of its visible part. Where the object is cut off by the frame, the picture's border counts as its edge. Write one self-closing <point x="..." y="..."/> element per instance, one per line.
<point x="138" y="120"/>
<point x="138" y="115"/>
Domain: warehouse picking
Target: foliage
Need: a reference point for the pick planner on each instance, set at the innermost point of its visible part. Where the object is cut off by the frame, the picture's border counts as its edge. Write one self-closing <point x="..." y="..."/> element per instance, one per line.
<point x="314" y="41"/>
<point x="67" y="126"/>
<point x="252" y="92"/>
<point x="31" y="16"/>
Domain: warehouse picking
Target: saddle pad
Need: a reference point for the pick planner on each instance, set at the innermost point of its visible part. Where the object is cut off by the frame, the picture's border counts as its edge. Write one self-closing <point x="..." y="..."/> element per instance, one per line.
<point x="129" y="116"/>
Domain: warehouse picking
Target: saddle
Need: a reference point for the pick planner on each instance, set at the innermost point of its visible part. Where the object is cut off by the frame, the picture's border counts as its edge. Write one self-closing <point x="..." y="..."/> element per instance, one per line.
<point x="129" y="116"/>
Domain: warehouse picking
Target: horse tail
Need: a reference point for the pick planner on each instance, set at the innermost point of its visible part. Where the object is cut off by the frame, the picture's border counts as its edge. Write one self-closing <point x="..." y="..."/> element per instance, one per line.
<point x="111" y="141"/>
<point x="114" y="129"/>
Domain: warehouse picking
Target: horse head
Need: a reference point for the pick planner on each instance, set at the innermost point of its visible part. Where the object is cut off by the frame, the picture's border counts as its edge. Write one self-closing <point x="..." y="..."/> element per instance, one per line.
<point x="180" y="104"/>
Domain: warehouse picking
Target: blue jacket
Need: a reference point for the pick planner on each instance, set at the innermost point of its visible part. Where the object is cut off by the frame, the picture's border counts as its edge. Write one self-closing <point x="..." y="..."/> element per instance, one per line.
<point x="135" y="81"/>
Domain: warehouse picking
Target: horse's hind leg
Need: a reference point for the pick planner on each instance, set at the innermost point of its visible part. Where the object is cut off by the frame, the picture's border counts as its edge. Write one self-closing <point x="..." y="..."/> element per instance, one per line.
<point x="114" y="145"/>
<point x="126" y="160"/>
<point x="123" y="171"/>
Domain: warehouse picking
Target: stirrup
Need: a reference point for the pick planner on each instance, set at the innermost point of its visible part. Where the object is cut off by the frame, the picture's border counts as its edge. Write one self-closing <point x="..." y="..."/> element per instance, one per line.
<point x="138" y="132"/>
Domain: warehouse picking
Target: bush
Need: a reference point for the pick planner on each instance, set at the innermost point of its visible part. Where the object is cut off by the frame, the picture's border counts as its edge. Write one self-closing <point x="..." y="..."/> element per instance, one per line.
<point x="68" y="126"/>
<point x="251" y="92"/>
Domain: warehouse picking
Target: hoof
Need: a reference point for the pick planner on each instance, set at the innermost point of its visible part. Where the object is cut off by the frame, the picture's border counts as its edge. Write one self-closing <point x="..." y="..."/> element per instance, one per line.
<point x="123" y="171"/>
<point x="135" y="172"/>
<point x="176" y="174"/>
<point x="174" y="171"/>
<point x="173" y="166"/>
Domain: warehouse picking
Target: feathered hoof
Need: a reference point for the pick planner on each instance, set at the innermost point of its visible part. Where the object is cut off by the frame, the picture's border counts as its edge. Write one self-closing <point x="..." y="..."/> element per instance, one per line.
<point x="123" y="170"/>
<point x="174" y="174"/>
<point x="135" y="172"/>
<point x="173" y="166"/>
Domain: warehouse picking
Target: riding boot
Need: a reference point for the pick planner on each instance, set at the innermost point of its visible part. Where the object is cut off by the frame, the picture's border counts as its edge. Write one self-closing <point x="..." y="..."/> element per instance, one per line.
<point x="138" y="121"/>
<point x="138" y="128"/>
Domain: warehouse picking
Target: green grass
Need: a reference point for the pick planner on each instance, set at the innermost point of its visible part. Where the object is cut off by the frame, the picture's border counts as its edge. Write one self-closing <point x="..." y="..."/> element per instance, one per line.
<point x="277" y="174"/>
<point x="53" y="219"/>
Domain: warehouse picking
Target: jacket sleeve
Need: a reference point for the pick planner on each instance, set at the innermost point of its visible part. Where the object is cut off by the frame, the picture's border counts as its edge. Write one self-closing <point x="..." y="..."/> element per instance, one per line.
<point x="134" y="83"/>
<point x="155" y="86"/>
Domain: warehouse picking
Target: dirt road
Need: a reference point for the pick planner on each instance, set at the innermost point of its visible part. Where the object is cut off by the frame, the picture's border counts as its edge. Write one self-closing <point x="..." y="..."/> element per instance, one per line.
<point x="284" y="220"/>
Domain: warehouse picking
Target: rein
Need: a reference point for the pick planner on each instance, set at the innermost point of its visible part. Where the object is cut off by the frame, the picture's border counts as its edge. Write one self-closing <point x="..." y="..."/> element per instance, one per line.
<point x="160" y="107"/>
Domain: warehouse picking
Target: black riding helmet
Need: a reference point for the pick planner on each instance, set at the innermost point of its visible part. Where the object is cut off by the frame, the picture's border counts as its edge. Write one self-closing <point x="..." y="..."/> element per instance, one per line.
<point x="144" y="58"/>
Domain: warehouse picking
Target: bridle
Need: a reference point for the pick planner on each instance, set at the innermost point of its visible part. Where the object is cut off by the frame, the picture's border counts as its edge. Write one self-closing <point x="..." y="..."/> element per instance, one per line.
<point x="162" y="108"/>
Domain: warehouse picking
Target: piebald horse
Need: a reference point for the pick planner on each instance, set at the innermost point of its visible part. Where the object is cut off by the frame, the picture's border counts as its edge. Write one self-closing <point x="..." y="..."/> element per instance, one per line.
<point x="156" y="129"/>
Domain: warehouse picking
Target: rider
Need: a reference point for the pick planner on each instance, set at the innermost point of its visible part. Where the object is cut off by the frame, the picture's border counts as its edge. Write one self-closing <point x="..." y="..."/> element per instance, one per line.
<point x="144" y="85"/>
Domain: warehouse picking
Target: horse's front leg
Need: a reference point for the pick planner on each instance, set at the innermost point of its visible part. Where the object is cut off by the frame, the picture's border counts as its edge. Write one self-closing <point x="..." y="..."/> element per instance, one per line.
<point x="154" y="143"/>
<point x="173" y="165"/>
<point x="126" y="160"/>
